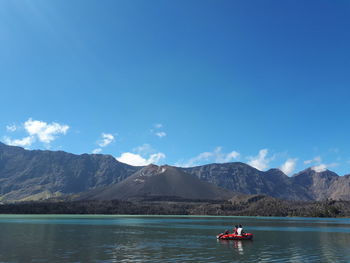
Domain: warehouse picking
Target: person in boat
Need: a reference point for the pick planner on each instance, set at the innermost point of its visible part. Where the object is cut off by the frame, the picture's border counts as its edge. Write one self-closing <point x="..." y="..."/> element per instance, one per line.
<point x="226" y="232"/>
<point x="240" y="230"/>
<point x="235" y="230"/>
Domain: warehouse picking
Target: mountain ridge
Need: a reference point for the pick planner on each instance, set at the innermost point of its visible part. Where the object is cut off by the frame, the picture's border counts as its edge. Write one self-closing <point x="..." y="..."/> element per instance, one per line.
<point x="41" y="174"/>
<point x="25" y="173"/>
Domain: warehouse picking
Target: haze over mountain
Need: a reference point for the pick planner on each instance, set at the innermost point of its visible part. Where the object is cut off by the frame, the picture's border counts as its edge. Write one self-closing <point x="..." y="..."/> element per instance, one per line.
<point x="39" y="174"/>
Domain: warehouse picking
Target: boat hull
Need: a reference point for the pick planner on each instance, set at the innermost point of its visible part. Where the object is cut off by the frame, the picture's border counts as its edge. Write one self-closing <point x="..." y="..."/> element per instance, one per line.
<point x="247" y="236"/>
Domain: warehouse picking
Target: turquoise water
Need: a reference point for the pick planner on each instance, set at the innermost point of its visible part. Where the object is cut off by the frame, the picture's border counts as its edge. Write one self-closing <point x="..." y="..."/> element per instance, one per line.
<point x="57" y="238"/>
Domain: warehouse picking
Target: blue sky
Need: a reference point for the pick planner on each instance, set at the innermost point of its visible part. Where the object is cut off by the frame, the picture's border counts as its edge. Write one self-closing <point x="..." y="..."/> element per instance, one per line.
<point x="179" y="82"/>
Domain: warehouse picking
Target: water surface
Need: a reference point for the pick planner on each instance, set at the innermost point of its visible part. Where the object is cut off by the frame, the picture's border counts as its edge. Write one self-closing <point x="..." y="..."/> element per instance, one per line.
<point x="67" y="238"/>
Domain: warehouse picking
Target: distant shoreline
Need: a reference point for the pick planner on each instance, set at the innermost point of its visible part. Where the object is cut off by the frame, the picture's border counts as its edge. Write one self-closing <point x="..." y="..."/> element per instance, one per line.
<point x="179" y="216"/>
<point x="263" y="207"/>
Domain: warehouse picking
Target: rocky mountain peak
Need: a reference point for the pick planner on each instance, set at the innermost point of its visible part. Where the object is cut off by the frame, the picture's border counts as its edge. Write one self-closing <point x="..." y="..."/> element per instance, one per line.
<point x="151" y="170"/>
<point x="311" y="171"/>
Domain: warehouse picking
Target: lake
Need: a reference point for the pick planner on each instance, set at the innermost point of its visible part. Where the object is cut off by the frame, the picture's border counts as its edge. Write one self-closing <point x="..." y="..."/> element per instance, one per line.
<point x="96" y="238"/>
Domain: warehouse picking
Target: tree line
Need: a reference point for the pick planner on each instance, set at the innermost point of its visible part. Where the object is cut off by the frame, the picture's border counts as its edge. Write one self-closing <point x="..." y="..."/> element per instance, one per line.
<point x="260" y="206"/>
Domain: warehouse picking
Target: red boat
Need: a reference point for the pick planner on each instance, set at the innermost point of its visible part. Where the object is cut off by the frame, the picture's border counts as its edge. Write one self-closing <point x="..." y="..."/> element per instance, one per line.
<point x="245" y="236"/>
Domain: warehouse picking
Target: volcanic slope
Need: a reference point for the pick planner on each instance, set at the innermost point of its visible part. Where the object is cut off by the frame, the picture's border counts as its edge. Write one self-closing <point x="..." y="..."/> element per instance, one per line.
<point x="159" y="181"/>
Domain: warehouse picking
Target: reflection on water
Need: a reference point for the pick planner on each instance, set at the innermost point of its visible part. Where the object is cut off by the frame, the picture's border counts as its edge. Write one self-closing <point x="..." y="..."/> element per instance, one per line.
<point x="170" y="239"/>
<point x="239" y="246"/>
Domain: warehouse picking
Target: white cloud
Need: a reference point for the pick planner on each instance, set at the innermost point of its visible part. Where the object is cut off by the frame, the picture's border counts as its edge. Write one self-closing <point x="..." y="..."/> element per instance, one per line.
<point x="157" y="132"/>
<point x="24" y="142"/>
<point x="319" y="168"/>
<point x="132" y="159"/>
<point x="138" y="160"/>
<point x="316" y="159"/>
<point x="141" y="156"/>
<point x="216" y="156"/>
<point x="289" y="166"/>
<point x="37" y="130"/>
<point x="323" y="167"/>
<point x="260" y="162"/>
<point x="43" y="131"/>
<point x="11" y="128"/>
<point x="204" y="156"/>
<point x="160" y="134"/>
<point x="230" y="156"/>
<point x="155" y="158"/>
<point x="144" y="149"/>
<point x="97" y="150"/>
<point x="106" y="139"/>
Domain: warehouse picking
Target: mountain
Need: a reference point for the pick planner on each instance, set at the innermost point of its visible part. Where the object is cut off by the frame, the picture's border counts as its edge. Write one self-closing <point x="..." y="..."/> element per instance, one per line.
<point x="240" y="177"/>
<point x="323" y="185"/>
<point x="340" y="189"/>
<point x="39" y="174"/>
<point x="305" y="185"/>
<point x="155" y="182"/>
<point x="35" y="175"/>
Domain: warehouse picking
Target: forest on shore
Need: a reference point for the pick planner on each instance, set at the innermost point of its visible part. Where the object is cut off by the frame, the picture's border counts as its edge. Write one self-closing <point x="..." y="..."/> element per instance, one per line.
<point x="258" y="205"/>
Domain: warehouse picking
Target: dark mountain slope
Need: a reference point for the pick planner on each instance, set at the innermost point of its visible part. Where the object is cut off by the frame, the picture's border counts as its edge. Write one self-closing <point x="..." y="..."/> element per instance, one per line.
<point x="240" y="177"/>
<point x="41" y="174"/>
<point x="323" y="185"/>
<point x="340" y="189"/>
<point x="159" y="181"/>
